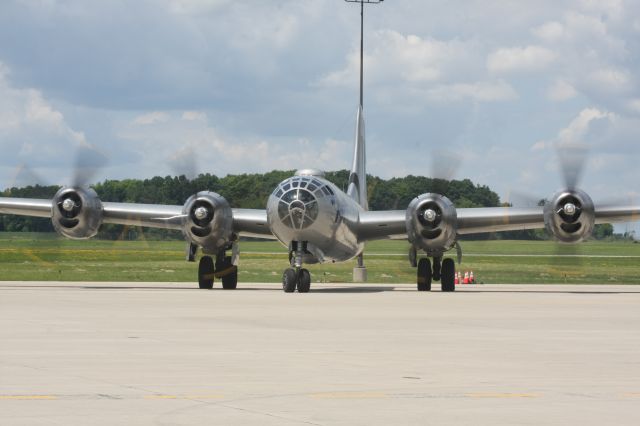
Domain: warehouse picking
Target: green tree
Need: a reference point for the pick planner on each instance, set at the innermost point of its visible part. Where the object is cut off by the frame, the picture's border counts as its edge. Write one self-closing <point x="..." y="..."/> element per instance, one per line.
<point x="603" y="231"/>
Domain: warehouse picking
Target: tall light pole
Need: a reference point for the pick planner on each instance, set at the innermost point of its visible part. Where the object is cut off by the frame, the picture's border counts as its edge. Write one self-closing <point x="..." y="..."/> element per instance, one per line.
<point x="362" y="3"/>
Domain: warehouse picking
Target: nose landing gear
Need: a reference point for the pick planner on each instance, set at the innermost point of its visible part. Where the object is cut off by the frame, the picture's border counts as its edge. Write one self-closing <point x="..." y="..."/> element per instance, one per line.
<point x="296" y="276"/>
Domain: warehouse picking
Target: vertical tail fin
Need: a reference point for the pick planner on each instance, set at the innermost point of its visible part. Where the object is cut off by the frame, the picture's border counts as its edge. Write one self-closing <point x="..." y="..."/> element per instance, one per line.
<point x="358" y="177"/>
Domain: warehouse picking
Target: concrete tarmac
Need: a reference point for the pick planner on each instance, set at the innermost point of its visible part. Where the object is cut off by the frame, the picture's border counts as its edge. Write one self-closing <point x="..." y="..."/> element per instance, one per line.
<point x="170" y="354"/>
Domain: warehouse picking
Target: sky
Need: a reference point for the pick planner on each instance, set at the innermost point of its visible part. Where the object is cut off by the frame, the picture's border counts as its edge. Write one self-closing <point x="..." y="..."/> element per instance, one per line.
<point x="242" y="86"/>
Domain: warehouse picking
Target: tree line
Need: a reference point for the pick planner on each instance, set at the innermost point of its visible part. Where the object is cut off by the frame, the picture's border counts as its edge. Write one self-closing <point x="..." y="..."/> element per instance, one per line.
<point x="252" y="191"/>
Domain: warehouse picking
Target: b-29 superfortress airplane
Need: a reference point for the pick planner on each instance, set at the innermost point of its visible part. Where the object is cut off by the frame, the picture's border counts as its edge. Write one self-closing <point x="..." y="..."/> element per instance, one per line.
<point x="318" y="222"/>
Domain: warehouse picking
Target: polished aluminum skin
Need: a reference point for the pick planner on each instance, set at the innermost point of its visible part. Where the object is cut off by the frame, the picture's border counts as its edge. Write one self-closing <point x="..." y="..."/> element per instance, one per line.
<point x="357" y="189"/>
<point x="207" y="221"/>
<point x="312" y="209"/>
<point x="76" y="213"/>
<point x="432" y="223"/>
<point x="570" y="216"/>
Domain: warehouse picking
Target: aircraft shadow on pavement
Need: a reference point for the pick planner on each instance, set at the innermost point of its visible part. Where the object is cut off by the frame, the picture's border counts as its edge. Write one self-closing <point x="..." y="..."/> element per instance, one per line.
<point x="315" y="290"/>
<point x="337" y="290"/>
<point x="367" y="289"/>
<point x="353" y="289"/>
<point x="346" y="290"/>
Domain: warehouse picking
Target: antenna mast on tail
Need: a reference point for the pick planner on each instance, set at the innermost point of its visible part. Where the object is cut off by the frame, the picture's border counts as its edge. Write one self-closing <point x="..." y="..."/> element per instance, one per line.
<point x="357" y="189"/>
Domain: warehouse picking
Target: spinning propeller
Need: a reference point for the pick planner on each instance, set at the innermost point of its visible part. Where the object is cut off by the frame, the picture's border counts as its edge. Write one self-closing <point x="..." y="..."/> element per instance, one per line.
<point x="68" y="204"/>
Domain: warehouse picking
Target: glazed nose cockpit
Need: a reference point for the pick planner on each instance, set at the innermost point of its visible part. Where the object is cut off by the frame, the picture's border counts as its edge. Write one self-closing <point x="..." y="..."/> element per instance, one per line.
<point x="298" y="201"/>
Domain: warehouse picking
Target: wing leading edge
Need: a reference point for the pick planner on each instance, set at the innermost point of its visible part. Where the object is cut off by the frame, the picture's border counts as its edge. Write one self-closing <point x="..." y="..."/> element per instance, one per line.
<point x="391" y="224"/>
<point x="246" y="222"/>
<point x="373" y="225"/>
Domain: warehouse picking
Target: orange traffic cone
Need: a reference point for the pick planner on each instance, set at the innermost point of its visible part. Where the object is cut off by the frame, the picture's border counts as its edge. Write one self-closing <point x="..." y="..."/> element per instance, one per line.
<point x="472" y="279"/>
<point x="456" y="281"/>
<point x="459" y="277"/>
<point x="466" y="277"/>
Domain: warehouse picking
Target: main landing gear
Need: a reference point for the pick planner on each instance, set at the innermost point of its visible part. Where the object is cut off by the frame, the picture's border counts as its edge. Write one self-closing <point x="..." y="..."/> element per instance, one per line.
<point x="443" y="271"/>
<point x="296" y="276"/>
<point x="223" y="268"/>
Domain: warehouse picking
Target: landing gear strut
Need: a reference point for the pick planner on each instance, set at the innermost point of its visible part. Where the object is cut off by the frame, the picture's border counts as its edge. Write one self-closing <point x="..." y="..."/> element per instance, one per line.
<point x="296" y="276"/>
<point x="437" y="268"/>
<point x="223" y="268"/>
<point x="443" y="271"/>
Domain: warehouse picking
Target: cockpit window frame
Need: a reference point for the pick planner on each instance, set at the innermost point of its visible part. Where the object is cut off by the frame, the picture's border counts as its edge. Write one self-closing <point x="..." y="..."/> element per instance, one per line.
<point x="315" y="186"/>
<point x="298" y="206"/>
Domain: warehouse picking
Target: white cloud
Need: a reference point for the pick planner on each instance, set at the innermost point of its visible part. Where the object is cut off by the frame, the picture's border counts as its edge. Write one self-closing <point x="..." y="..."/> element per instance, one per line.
<point x="25" y="113"/>
<point x="540" y="145"/>
<point x="151" y="118"/>
<point x="561" y="91"/>
<point x="194" y="116"/>
<point x="591" y="36"/>
<point x="550" y="31"/>
<point x="394" y="57"/>
<point x="611" y="80"/>
<point x="634" y="105"/>
<point x="593" y="43"/>
<point x="480" y="92"/>
<point x="33" y="134"/>
<point x="256" y="26"/>
<point x="611" y="9"/>
<point x="196" y="6"/>
<point x="604" y="141"/>
<point x="194" y="146"/>
<point x="530" y="58"/>
<point x="576" y="132"/>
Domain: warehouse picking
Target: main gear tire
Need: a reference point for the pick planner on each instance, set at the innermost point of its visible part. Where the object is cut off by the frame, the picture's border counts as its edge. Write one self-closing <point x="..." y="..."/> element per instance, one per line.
<point x="448" y="275"/>
<point x="228" y="273"/>
<point x="206" y="273"/>
<point x="424" y="275"/>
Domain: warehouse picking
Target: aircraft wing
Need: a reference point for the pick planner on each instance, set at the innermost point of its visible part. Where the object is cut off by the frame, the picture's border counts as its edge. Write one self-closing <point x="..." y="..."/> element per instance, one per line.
<point x="25" y="207"/>
<point x="391" y="224"/>
<point x="246" y="222"/>
<point x="373" y="225"/>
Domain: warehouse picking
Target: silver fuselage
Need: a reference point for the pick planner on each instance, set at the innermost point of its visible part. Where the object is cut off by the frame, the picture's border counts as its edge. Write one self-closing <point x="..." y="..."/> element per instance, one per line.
<point x="313" y="210"/>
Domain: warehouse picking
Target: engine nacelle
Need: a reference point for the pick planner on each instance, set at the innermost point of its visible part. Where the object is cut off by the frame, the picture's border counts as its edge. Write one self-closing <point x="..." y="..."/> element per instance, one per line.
<point x="570" y="216"/>
<point x="76" y="212"/>
<point x="208" y="221"/>
<point x="432" y="223"/>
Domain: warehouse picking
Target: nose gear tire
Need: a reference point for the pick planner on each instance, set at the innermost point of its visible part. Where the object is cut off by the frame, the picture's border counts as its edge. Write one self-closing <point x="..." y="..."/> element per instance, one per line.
<point x="304" y="281"/>
<point x="289" y="279"/>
